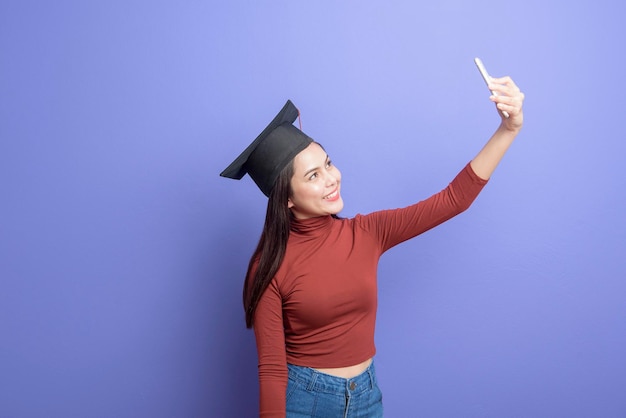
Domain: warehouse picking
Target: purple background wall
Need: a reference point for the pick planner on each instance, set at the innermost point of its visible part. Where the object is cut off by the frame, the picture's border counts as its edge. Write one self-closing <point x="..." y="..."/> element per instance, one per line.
<point x="122" y="252"/>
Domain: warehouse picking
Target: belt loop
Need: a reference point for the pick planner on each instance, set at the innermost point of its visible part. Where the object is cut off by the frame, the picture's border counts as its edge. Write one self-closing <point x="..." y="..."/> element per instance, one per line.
<point x="313" y="380"/>
<point x="371" y="374"/>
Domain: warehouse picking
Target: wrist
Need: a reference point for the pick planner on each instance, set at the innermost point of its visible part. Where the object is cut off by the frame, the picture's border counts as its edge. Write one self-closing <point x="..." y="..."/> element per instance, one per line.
<point x="509" y="129"/>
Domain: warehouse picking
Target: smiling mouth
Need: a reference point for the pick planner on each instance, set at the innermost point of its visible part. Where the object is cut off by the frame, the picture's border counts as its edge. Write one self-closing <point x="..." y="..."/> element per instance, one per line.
<point x="333" y="196"/>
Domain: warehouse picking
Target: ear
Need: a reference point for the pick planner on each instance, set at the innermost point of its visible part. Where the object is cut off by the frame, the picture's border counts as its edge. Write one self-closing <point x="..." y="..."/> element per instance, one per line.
<point x="289" y="203"/>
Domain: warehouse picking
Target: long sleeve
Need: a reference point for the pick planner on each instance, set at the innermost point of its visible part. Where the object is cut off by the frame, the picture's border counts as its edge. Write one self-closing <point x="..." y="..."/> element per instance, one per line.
<point x="270" y="341"/>
<point x="398" y="225"/>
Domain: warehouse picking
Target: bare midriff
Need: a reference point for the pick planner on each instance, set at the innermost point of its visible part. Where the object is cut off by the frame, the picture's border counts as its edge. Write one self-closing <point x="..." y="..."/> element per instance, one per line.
<point x="349" y="371"/>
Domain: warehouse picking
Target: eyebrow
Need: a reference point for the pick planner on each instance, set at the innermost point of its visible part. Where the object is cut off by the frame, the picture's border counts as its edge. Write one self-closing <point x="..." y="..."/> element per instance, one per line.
<point x="309" y="171"/>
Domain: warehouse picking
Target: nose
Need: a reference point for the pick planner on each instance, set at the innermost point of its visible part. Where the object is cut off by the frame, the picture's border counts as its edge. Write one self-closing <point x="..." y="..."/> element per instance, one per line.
<point x="331" y="179"/>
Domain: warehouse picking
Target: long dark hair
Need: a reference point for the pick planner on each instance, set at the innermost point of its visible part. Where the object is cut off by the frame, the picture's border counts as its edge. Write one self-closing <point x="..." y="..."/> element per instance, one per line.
<point x="270" y="251"/>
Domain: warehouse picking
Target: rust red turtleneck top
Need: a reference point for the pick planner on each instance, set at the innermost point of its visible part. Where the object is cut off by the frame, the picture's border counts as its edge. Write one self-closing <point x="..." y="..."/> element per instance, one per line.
<point x="320" y="309"/>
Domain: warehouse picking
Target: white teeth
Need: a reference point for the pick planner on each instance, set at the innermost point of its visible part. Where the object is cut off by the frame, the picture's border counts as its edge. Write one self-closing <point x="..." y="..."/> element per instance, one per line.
<point x="330" y="196"/>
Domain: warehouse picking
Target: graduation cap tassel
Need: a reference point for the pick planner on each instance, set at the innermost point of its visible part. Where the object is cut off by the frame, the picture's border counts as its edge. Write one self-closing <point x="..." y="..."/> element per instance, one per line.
<point x="299" y="120"/>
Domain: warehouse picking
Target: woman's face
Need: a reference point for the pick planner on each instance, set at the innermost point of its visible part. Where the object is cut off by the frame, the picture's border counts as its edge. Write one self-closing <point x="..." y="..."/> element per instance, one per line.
<point x="315" y="184"/>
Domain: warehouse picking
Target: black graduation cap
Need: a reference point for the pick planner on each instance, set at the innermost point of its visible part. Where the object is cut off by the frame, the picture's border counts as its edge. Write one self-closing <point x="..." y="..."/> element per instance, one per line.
<point x="270" y="152"/>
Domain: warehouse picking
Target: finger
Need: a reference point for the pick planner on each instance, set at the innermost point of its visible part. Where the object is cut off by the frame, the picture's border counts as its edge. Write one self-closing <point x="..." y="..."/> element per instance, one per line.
<point x="511" y="110"/>
<point x="506" y="80"/>
<point x="504" y="89"/>
<point x="511" y="100"/>
<point x="512" y="105"/>
<point x="515" y="99"/>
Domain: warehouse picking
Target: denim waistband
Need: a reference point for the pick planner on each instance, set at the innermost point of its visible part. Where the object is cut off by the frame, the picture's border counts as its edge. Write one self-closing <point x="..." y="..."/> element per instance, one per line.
<point x="322" y="382"/>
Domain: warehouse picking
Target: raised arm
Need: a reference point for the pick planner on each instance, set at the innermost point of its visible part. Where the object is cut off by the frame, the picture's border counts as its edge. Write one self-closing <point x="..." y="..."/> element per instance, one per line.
<point x="510" y="99"/>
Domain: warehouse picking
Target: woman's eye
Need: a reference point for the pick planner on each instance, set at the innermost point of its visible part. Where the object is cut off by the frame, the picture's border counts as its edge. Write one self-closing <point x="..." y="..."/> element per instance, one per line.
<point x="313" y="176"/>
<point x="329" y="164"/>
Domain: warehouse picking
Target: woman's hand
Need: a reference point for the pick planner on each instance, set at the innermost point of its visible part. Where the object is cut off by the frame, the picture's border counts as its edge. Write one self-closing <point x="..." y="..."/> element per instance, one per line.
<point x="508" y="98"/>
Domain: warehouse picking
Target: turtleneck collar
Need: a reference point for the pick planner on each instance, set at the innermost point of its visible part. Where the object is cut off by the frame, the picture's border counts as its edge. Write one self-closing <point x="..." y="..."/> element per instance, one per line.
<point x="311" y="226"/>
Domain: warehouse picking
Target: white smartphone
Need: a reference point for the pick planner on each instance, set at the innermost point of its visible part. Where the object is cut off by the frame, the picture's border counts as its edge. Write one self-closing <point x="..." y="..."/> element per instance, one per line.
<point x="487" y="78"/>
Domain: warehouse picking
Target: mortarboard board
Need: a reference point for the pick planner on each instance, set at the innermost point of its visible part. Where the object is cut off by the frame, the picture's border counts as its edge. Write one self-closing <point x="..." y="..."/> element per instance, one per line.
<point x="270" y="152"/>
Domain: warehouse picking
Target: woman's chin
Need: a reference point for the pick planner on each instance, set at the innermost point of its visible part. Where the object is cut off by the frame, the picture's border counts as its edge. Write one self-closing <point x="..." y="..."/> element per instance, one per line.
<point x="336" y="207"/>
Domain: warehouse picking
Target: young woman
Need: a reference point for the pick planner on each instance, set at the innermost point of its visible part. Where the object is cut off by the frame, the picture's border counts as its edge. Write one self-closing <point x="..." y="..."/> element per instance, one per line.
<point x="310" y="291"/>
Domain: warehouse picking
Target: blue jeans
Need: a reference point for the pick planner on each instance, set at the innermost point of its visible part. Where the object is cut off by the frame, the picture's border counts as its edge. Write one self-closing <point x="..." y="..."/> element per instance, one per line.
<point x="314" y="394"/>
